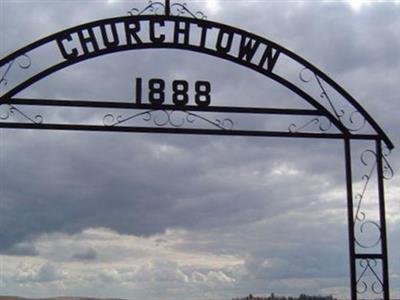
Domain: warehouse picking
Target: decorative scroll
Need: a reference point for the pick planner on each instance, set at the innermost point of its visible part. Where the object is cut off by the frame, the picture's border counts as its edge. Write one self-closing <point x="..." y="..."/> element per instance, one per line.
<point x="23" y="61"/>
<point x="158" y="8"/>
<point x="368" y="267"/>
<point x="368" y="157"/>
<point x="178" y="9"/>
<point x="12" y="110"/>
<point x="163" y="118"/>
<point x="322" y="123"/>
<point x="152" y="8"/>
<point x="353" y="121"/>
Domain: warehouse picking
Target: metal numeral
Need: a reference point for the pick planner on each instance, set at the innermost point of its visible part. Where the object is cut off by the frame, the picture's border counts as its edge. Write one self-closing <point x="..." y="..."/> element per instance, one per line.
<point x="180" y="92"/>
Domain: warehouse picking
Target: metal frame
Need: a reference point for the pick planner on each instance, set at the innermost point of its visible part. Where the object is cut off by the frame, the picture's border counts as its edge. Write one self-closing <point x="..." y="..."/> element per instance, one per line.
<point x="329" y="118"/>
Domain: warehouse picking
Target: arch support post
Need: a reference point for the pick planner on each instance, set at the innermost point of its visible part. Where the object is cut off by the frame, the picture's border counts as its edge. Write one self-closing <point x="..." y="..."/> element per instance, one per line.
<point x="369" y="273"/>
<point x="382" y="213"/>
<point x="350" y="219"/>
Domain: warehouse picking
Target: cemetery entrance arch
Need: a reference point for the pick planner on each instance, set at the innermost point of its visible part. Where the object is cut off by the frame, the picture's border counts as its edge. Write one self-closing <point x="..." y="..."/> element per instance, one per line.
<point x="335" y="114"/>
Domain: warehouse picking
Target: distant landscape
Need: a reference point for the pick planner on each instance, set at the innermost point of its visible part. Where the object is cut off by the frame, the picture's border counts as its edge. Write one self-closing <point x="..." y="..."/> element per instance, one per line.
<point x="57" y="298"/>
<point x="250" y="297"/>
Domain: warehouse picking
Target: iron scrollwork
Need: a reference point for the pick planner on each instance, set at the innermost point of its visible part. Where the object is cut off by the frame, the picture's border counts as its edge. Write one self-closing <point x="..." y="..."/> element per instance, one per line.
<point x="163" y="118"/>
<point x="179" y="9"/>
<point x="24" y="62"/>
<point x="360" y="216"/>
<point x="158" y="8"/>
<point x="11" y="110"/>
<point x="355" y="119"/>
<point x="368" y="266"/>
<point x="322" y="123"/>
<point x="152" y="7"/>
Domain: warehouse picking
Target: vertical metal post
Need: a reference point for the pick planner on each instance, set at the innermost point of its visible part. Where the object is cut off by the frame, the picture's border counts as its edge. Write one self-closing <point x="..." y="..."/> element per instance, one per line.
<point x="350" y="219"/>
<point x="167" y="7"/>
<point x="381" y="194"/>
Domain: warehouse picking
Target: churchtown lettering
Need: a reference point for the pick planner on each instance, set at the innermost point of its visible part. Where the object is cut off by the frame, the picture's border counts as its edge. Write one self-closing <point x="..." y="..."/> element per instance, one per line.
<point x="132" y="33"/>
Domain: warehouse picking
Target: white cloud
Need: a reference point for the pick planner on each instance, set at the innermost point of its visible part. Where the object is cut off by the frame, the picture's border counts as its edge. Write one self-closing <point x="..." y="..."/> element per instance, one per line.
<point x="30" y="273"/>
<point x="213" y="6"/>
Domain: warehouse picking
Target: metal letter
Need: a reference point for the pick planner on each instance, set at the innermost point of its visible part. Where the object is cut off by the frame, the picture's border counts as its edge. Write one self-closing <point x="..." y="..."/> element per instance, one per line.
<point x="115" y="39"/>
<point x="64" y="53"/>
<point x="248" y="47"/>
<point x="86" y="40"/>
<point x="203" y="39"/>
<point x="224" y="49"/>
<point x="132" y="27"/>
<point x="270" y="58"/>
<point x="156" y="39"/>
<point x="138" y="89"/>
<point x="185" y="31"/>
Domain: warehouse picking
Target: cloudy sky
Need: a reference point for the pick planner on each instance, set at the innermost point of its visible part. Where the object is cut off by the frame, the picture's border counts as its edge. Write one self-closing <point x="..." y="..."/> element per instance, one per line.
<point x="166" y="217"/>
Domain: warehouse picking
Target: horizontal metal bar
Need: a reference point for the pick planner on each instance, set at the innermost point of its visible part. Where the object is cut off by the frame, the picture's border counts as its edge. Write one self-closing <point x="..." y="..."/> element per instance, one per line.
<point x="369" y="256"/>
<point x="192" y="131"/>
<point x="132" y="105"/>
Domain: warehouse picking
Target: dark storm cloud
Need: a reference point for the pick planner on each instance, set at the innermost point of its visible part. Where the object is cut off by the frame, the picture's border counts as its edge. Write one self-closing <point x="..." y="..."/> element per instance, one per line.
<point x="85" y="171"/>
<point x="140" y="192"/>
<point x="16" y="248"/>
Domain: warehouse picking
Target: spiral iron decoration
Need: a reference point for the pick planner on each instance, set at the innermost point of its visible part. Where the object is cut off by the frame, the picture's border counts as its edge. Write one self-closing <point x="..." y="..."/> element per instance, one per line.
<point x="38" y="119"/>
<point x="158" y="8"/>
<point x="153" y="7"/>
<point x="355" y="119"/>
<point x="163" y="118"/>
<point x="360" y="217"/>
<point x="23" y="61"/>
<point x="110" y="120"/>
<point x="179" y="9"/>
<point x="368" y="266"/>
<point x="323" y="124"/>
<point x="224" y="124"/>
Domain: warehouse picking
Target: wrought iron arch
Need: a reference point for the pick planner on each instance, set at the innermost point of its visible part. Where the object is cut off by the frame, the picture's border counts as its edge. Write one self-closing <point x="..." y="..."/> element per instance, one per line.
<point x="251" y="51"/>
<point x="270" y="53"/>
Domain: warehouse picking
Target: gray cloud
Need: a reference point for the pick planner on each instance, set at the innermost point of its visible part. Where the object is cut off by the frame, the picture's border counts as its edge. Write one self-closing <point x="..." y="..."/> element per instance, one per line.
<point x="44" y="273"/>
<point x="88" y="254"/>
<point x="20" y="249"/>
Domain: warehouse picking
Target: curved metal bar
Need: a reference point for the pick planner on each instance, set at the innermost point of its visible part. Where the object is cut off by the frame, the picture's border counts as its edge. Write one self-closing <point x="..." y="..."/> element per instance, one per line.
<point x="345" y="95"/>
<point x="373" y="243"/>
<point x="204" y="23"/>
<point x="376" y="286"/>
<point x="275" y="77"/>
<point x="67" y="63"/>
<point x="340" y="114"/>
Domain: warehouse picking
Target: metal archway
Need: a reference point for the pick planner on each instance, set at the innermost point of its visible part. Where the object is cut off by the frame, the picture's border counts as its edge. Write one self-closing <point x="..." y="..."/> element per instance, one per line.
<point x="335" y="114"/>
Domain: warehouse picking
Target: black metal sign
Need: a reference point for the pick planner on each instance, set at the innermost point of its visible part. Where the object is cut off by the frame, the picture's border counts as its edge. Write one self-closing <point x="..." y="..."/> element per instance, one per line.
<point x="179" y="106"/>
<point x="126" y="33"/>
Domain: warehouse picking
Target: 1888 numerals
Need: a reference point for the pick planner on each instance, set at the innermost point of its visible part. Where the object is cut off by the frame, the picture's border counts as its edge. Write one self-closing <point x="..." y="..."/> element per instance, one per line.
<point x="180" y="92"/>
